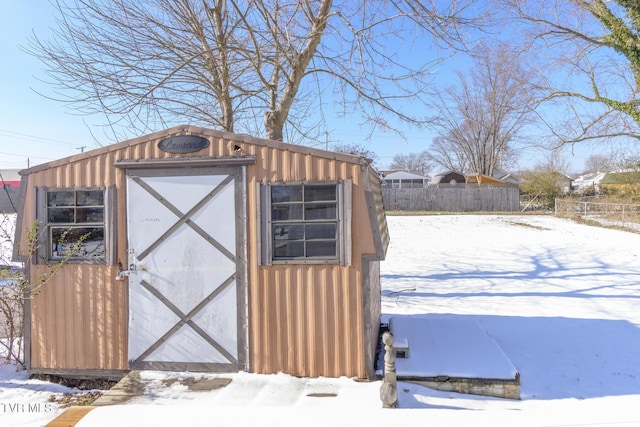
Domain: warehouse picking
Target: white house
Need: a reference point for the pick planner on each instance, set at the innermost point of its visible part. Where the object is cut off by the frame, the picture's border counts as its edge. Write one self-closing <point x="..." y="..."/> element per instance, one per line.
<point x="587" y="182"/>
<point x="403" y="179"/>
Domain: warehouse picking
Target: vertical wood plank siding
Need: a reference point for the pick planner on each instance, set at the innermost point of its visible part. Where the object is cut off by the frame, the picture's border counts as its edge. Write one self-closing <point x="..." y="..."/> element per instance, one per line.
<point x="79" y="318"/>
<point x="304" y="319"/>
<point x="307" y="319"/>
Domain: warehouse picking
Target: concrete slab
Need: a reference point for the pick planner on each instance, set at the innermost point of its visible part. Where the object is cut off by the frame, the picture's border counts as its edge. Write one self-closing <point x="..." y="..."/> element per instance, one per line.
<point x="130" y="386"/>
<point x="453" y="355"/>
<point x="127" y="388"/>
<point x="133" y="385"/>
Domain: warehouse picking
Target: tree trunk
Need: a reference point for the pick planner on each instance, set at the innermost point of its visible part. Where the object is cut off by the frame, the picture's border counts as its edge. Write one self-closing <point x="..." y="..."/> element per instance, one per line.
<point x="275" y="119"/>
<point x="273" y="125"/>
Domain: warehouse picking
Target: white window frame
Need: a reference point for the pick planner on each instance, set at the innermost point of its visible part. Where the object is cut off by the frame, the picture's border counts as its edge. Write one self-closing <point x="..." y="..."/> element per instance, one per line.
<point x="342" y="220"/>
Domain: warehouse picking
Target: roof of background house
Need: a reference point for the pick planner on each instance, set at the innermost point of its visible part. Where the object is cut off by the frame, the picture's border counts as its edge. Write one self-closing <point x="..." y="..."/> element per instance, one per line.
<point x="404" y="175"/>
<point x="590" y="177"/>
<point x="447" y="173"/>
<point x="481" y="178"/>
<point x="10" y="174"/>
<point x="437" y="179"/>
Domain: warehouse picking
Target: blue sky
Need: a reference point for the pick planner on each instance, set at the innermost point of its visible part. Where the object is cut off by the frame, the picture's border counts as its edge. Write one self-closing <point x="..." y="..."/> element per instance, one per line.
<point x="34" y="129"/>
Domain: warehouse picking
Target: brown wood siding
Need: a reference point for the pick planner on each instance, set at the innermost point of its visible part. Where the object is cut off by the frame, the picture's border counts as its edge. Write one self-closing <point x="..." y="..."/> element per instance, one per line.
<point x="306" y="320"/>
<point x="79" y="320"/>
<point x="373" y="308"/>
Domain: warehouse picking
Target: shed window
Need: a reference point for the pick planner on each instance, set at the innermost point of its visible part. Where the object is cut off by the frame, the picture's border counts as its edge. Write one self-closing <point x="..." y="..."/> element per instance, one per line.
<point x="75" y="224"/>
<point x="306" y="222"/>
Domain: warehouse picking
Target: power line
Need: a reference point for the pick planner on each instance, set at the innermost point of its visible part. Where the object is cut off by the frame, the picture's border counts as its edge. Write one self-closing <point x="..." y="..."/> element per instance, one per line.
<point x="26" y="155"/>
<point x="14" y="134"/>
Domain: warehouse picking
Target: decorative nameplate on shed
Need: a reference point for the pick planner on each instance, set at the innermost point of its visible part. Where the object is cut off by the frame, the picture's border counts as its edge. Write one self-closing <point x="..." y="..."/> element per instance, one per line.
<point x="183" y="144"/>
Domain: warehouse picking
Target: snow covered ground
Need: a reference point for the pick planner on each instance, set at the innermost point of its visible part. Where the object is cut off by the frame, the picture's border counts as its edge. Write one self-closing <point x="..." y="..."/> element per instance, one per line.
<point x="561" y="299"/>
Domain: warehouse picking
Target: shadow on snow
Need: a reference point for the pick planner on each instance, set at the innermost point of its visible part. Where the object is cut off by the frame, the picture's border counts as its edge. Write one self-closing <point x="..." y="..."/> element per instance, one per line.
<point x="561" y="358"/>
<point x="583" y="280"/>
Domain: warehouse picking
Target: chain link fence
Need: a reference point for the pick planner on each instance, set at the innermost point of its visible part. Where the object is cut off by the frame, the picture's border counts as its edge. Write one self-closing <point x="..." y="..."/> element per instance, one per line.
<point x="609" y="214"/>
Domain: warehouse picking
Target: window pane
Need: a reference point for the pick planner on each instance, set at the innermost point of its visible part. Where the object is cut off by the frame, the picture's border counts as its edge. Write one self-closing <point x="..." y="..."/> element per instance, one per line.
<point x="287" y="249"/>
<point x="60" y="215"/>
<point x="78" y="242"/>
<point x="286" y="212"/>
<point x="90" y="215"/>
<point x="320" y="211"/>
<point x="90" y="198"/>
<point x="321" y="231"/>
<point x="304" y="221"/>
<point x="286" y="193"/>
<point x="61" y="198"/>
<point x="321" y="249"/>
<point x="314" y="193"/>
<point x="288" y="232"/>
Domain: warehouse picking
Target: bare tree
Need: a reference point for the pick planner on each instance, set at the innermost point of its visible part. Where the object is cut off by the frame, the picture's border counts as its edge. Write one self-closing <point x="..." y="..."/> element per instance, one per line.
<point x="542" y="184"/>
<point x="412" y="162"/>
<point x="447" y="155"/>
<point x="589" y="54"/>
<point x="599" y="163"/>
<point x="357" y="150"/>
<point x="227" y="63"/>
<point x="481" y="120"/>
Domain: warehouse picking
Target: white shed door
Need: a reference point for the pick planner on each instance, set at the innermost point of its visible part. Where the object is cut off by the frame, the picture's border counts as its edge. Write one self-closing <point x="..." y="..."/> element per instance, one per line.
<point x="186" y="294"/>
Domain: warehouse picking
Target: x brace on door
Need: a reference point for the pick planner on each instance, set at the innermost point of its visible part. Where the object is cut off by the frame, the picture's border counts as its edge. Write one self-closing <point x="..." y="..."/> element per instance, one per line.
<point x="186" y="319"/>
<point x="185" y="218"/>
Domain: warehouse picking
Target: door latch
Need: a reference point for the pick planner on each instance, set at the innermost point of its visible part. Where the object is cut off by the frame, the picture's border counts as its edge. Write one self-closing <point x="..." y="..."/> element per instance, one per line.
<point x="132" y="267"/>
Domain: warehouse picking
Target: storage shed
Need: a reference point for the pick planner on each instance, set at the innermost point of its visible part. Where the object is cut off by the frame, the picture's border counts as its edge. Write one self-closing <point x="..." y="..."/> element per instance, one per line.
<point x="194" y="249"/>
<point x="447" y="178"/>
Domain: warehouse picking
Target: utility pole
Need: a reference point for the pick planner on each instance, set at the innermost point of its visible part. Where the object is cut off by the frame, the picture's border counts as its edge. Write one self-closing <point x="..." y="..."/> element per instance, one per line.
<point x="81" y="148"/>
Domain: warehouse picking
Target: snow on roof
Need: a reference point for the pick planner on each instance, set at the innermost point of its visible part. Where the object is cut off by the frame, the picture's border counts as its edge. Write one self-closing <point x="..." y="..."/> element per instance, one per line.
<point x="590" y="177"/>
<point x="404" y="175"/>
<point x="457" y="348"/>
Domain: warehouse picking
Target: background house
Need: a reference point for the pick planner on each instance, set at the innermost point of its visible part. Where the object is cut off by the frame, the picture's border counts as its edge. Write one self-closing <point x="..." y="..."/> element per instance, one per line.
<point x="588" y="183"/>
<point x="404" y="179"/>
<point x="564" y="182"/>
<point x="486" y="180"/>
<point x="506" y="176"/>
<point x="9" y="190"/>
